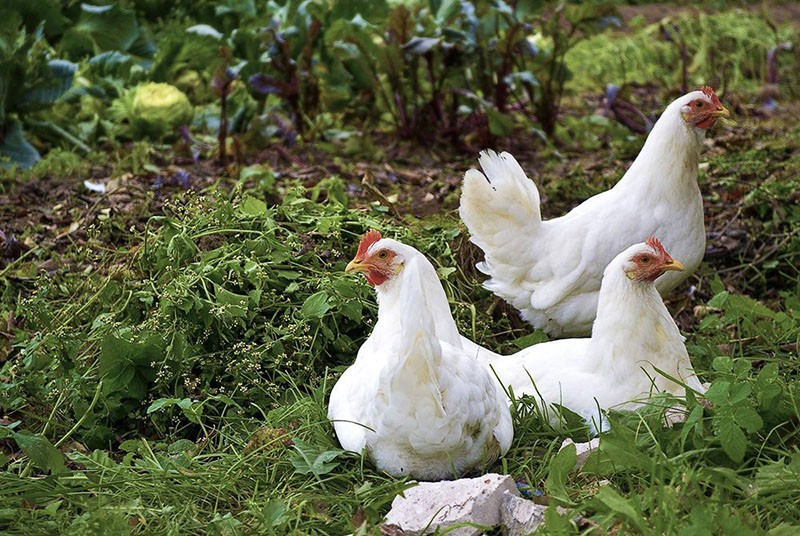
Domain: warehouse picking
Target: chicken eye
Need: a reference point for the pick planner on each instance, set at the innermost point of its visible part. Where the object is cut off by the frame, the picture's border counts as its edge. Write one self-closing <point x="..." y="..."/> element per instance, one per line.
<point x="644" y="259"/>
<point x="383" y="254"/>
<point x="699" y="103"/>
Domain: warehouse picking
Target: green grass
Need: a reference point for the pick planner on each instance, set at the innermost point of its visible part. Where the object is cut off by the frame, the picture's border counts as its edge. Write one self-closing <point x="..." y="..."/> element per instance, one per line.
<point x="166" y="397"/>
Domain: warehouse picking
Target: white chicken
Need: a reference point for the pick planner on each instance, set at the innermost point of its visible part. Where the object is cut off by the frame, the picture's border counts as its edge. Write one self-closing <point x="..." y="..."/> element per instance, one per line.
<point x="414" y="399"/>
<point x="634" y="346"/>
<point x="551" y="270"/>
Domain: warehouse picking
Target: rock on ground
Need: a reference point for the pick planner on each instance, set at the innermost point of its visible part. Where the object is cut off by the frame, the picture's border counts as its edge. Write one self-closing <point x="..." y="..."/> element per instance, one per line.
<point x="520" y="516"/>
<point x="432" y="505"/>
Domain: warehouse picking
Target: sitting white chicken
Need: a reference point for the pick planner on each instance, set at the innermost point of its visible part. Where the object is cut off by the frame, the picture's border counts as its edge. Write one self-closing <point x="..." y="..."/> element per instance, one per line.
<point x="414" y="399"/>
<point x="634" y="344"/>
<point x="551" y="270"/>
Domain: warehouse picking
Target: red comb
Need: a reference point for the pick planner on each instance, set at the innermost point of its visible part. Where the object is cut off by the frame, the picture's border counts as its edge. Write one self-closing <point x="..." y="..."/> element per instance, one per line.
<point x="708" y="91"/>
<point x="366" y="241"/>
<point x="654" y="243"/>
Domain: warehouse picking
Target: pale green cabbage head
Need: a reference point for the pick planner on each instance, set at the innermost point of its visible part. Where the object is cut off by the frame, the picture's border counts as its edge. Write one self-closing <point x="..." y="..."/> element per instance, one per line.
<point x="155" y="110"/>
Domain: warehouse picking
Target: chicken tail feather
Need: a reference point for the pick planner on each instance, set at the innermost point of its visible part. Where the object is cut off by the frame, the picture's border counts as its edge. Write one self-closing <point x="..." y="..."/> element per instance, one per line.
<point x="499" y="206"/>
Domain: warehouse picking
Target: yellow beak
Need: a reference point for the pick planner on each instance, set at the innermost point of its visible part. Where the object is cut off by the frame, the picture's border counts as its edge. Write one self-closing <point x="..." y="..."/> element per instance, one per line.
<point x="357" y="265"/>
<point x="674" y="266"/>
<point x="721" y="112"/>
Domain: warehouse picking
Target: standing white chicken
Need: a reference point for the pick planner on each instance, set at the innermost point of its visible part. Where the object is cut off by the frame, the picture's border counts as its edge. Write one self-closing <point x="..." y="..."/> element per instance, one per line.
<point x="551" y="270"/>
<point x="634" y="344"/>
<point x="418" y="403"/>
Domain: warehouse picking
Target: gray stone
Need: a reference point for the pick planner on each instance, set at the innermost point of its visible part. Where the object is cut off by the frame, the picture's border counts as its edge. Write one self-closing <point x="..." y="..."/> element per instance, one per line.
<point x="583" y="450"/>
<point x="674" y="415"/>
<point x="432" y="505"/>
<point x="520" y="516"/>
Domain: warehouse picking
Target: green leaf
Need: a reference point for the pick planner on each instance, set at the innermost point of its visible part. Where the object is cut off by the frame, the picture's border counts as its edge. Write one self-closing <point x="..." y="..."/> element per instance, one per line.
<point x="445" y="271"/>
<point x="446" y="10"/>
<point x="561" y="466"/>
<point x="719" y="300"/>
<point x="746" y="307"/>
<point x="733" y="440"/>
<point x="529" y="340"/>
<point x="748" y="418"/>
<point x="234" y="305"/>
<point x="161" y="403"/>
<point x="252" y="206"/>
<point x="352" y="309"/>
<point x="181" y="248"/>
<point x="616" y="503"/>
<point x="102" y="28"/>
<point x="315" y="305"/>
<point x="722" y="363"/>
<point x="48" y="90"/>
<point x="618" y="452"/>
<point x="273" y="513"/>
<point x="718" y="392"/>
<point x="125" y="361"/>
<point x="310" y="459"/>
<point x="41" y="452"/>
<point x="739" y="393"/>
<point x="16" y="148"/>
<point x="693" y="422"/>
<point x="181" y="445"/>
<point x="374" y="11"/>
<point x="499" y="123"/>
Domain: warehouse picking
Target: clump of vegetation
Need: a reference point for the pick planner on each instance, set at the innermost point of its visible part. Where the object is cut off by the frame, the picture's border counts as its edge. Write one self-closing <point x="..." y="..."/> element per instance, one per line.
<point x="727" y="50"/>
<point x="153" y="110"/>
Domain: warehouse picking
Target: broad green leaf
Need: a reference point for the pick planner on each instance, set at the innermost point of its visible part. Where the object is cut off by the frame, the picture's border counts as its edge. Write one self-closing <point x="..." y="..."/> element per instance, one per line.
<point x="561" y="466"/>
<point x="48" y="90"/>
<point x="619" y="505"/>
<point x="161" y="403"/>
<point x="125" y="362"/>
<point x="738" y="393"/>
<point x="234" y="305"/>
<point x="252" y="206"/>
<point x="719" y="300"/>
<point x="41" y="452"/>
<point x="748" y="418"/>
<point x="16" y="148"/>
<point x="529" y="340"/>
<point x="718" y="392"/>
<point x="310" y="459"/>
<point x="745" y="306"/>
<point x="722" y="363"/>
<point x="273" y="513"/>
<point x="499" y="123"/>
<point x="102" y="28"/>
<point x="618" y="452"/>
<point x="733" y="440"/>
<point x="352" y="309"/>
<point x="181" y="248"/>
<point x="315" y="305"/>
